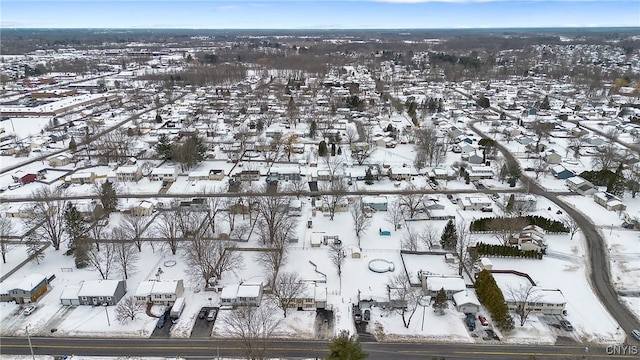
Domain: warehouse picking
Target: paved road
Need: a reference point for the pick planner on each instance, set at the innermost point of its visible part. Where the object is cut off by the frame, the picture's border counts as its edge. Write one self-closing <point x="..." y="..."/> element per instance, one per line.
<point x="598" y="261"/>
<point x="210" y="348"/>
<point x="14" y="199"/>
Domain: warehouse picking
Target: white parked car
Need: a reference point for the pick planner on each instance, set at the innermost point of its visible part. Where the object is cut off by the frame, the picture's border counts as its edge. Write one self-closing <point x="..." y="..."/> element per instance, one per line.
<point x="29" y="310"/>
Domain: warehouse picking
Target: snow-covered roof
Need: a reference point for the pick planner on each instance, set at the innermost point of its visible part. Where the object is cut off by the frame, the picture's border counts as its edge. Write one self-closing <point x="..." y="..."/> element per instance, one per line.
<point x="28" y="282"/>
<point x="466" y="297"/>
<point x="99" y="287"/>
<point x="70" y="292"/>
<point x="229" y="291"/>
<point x="249" y="290"/>
<point x="146" y="288"/>
<point x="435" y="283"/>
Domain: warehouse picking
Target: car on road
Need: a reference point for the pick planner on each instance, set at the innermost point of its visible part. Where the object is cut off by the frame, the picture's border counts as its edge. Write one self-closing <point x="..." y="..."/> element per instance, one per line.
<point x="29" y="310"/>
<point x="566" y="325"/>
<point x="636" y="334"/>
<point x="483" y="320"/>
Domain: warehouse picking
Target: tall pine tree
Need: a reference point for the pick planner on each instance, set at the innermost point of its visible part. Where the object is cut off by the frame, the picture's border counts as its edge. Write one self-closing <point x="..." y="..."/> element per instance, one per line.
<point x="449" y="237"/>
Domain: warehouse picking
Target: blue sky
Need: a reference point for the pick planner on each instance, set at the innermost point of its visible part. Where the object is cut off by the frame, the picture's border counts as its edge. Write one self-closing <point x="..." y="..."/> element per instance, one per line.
<point x="309" y="14"/>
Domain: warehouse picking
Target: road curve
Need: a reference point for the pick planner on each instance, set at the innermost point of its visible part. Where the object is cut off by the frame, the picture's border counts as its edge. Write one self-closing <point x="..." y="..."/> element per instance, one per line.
<point x="597" y="253"/>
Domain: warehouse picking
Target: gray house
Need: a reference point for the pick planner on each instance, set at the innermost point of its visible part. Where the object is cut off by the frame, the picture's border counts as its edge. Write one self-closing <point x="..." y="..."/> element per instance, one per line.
<point x="97" y="292"/>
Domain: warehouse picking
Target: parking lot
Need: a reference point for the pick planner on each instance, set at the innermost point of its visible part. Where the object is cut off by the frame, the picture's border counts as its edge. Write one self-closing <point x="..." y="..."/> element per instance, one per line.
<point x="203" y="327"/>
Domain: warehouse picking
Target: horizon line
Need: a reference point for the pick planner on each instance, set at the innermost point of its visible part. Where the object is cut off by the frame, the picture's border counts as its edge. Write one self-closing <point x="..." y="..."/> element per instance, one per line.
<point x="321" y="29"/>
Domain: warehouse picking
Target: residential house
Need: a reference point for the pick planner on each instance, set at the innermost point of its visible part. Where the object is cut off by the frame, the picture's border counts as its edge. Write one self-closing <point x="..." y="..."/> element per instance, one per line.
<point x="466" y="302"/>
<point x="553" y="158"/>
<point x="23" y="211"/>
<point x="609" y="201"/>
<point x="542" y="301"/>
<point x="581" y="186"/>
<point x="531" y="237"/>
<point x="168" y="174"/>
<point x="295" y="207"/>
<point x="312" y="297"/>
<point x="82" y="178"/>
<point x="560" y="172"/>
<point x="247" y="175"/>
<point x="243" y="294"/>
<point x="143" y="208"/>
<point x="61" y="159"/>
<point x="474" y="202"/>
<point x="98" y="292"/>
<point x="378" y="203"/>
<point x="129" y="173"/>
<point x="479" y="172"/>
<point x="89" y="209"/>
<point x="284" y="173"/>
<point x="25" y="178"/>
<point x="431" y="284"/>
<point x="473" y="158"/>
<point x="521" y="202"/>
<point x="69" y="296"/>
<point x="159" y="292"/>
<point x="398" y="173"/>
<point x="23" y="291"/>
<point x="213" y="174"/>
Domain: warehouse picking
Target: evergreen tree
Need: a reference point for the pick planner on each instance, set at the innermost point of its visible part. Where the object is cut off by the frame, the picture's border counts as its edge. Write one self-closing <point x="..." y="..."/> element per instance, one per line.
<point x="511" y="203"/>
<point x="440" y="302"/>
<point x="158" y="119"/>
<point x="333" y="149"/>
<point x="163" y="147"/>
<point x="616" y="185"/>
<point x="108" y="197"/>
<point x="339" y="152"/>
<point x="313" y="128"/>
<point x="76" y="228"/>
<point x="322" y="148"/>
<point x="260" y="125"/>
<point x="72" y="145"/>
<point x="449" y="237"/>
<point x="368" y="177"/>
<point x="345" y="347"/>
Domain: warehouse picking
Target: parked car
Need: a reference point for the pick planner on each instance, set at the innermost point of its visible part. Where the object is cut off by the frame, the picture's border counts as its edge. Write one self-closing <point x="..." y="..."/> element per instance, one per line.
<point x="471" y="322"/>
<point x="202" y="314"/>
<point x="29" y="310"/>
<point x="212" y="315"/>
<point x="367" y="315"/>
<point x="483" y="320"/>
<point x="357" y="315"/>
<point x="160" y="322"/>
<point x="487" y="209"/>
<point x="566" y="325"/>
<point x="636" y="334"/>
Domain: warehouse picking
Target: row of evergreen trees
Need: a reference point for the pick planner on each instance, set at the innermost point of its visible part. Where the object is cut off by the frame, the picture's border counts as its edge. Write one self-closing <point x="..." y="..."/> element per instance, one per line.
<point x="506" y="251"/>
<point x="491" y="297"/>
<point x="488" y="224"/>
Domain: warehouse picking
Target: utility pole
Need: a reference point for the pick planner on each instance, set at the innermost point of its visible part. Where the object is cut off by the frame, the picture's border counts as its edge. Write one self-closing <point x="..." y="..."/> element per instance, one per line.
<point x="33" y="357"/>
<point x="107" y="312"/>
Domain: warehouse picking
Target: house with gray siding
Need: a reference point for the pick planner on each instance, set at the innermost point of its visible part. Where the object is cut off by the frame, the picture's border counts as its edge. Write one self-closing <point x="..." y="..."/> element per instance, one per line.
<point x="98" y="292"/>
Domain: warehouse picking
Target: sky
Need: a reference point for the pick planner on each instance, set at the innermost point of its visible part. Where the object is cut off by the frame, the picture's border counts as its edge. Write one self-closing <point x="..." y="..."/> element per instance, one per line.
<point x="325" y="14"/>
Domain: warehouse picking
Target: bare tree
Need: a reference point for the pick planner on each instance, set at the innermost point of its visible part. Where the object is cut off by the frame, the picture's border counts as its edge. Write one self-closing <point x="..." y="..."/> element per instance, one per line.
<point x="254" y="326"/>
<point x="337" y="257"/>
<point x="542" y="130"/>
<point x="127" y="309"/>
<point x="505" y="228"/>
<point x="361" y="220"/>
<point x="102" y="260"/>
<point x="430" y="145"/>
<point x="273" y="257"/>
<point x="125" y="254"/>
<point x="571" y="225"/>
<point x="35" y="248"/>
<point x="412" y="201"/>
<point x="430" y="236"/>
<point x="134" y="227"/>
<point x="525" y="297"/>
<point x="406" y="297"/>
<point x="336" y="192"/>
<point x="287" y="289"/>
<point x="96" y="233"/>
<point x="47" y="216"/>
<point x="410" y="239"/>
<point x="351" y="133"/>
<point x="606" y="156"/>
<point x="576" y="144"/>
<point x="466" y="257"/>
<point x="274" y="216"/>
<point x="297" y="186"/>
<point x="167" y="228"/>
<point x="394" y="215"/>
<point x="7" y="231"/>
<point x="207" y="259"/>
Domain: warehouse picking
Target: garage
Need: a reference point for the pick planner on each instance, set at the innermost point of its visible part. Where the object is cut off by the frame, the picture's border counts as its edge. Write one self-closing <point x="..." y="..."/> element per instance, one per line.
<point x="69" y="296"/>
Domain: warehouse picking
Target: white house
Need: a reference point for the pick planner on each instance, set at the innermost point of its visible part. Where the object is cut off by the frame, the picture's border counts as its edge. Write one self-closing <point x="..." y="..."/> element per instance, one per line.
<point x="159" y="292"/>
<point x="474" y="202"/>
<point x="164" y="174"/>
<point x="241" y="295"/>
<point x="129" y="173"/>
<point x="431" y="284"/>
<point x="581" y="186"/>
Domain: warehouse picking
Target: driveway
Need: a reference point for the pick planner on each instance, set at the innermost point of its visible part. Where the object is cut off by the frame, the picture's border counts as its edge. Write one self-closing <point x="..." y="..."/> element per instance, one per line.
<point x="203" y="327"/>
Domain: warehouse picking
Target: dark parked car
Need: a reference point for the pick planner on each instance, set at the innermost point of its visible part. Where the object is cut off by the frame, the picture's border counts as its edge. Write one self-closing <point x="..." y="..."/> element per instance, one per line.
<point x="202" y="314"/>
<point x="367" y="315"/>
<point x="160" y="322"/>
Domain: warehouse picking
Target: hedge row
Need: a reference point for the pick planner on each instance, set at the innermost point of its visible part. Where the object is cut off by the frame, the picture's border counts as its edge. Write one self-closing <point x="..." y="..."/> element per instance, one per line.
<point x="506" y="251"/>
<point x="554" y="226"/>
